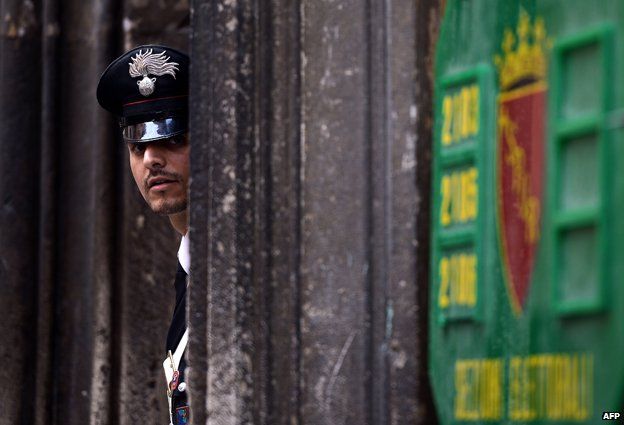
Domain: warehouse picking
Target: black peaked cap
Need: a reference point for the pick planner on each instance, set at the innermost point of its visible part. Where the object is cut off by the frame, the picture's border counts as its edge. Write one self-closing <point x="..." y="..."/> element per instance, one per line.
<point x="118" y="91"/>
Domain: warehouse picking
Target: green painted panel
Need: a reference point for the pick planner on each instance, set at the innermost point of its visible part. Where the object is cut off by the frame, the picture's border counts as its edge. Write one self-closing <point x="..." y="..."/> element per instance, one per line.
<point x="580" y="98"/>
<point x="457" y="197"/>
<point x="579" y="265"/>
<point x="527" y="283"/>
<point x="579" y="176"/>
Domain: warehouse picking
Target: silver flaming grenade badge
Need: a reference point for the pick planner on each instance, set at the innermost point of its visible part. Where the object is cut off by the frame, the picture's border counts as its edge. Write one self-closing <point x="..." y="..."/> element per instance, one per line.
<point x="146" y="64"/>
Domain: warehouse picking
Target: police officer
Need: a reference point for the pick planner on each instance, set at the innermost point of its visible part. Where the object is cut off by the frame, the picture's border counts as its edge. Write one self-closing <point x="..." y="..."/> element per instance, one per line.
<point x="147" y="89"/>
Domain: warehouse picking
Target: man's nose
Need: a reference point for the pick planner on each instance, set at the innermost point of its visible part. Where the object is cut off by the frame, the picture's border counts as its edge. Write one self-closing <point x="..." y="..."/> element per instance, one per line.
<point x="154" y="157"/>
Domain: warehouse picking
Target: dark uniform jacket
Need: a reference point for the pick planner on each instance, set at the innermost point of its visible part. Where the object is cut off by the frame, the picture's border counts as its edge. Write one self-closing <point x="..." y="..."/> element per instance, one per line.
<point x="179" y="405"/>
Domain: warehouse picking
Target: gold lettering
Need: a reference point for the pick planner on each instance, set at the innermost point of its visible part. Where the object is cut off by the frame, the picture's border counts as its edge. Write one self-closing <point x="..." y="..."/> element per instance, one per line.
<point x="456" y="197"/>
<point x="464" y="207"/>
<point x="461" y="390"/>
<point x="447" y="118"/>
<point x="472" y="193"/>
<point x="457" y="117"/>
<point x="445" y="188"/>
<point x="514" y="390"/>
<point x="478" y="389"/>
<point x="443" y="298"/>
<point x="460" y="115"/>
<point x="466" y="97"/>
<point x="471" y="279"/>
<point x="458" y="280"/>
<point x="554" y="387"/>
<point x="459" y="192"/>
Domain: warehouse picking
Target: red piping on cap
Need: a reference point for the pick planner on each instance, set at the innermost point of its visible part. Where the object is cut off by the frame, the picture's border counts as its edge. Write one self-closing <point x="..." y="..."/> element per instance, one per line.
<point x="152" y="100"/>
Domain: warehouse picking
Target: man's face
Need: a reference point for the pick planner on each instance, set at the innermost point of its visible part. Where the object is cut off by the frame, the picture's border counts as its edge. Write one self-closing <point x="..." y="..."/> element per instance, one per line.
<point x="161" y="171"/>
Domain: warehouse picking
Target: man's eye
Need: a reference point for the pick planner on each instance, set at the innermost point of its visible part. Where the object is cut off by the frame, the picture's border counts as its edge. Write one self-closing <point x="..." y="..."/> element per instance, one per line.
<point x="137" y="148"/>
<point x="177" y="140"/>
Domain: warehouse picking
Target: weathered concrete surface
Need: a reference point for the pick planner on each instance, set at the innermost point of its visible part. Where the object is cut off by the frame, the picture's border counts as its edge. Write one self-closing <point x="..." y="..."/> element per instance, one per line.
<point x="225" y="348"/>
<point x="19" y="174"/>
<point x="86" y="269"/>
<point x="309" y="223"/>
<point x="82" y="366"/>
<point x="311" y="307"/>
<point x="335" y="321"/>
<point x="281" y="125"/>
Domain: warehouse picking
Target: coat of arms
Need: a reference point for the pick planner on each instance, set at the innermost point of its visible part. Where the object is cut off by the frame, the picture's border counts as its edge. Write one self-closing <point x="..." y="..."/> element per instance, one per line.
<point x="520" y="153"/>
<point x="149" y="63"/>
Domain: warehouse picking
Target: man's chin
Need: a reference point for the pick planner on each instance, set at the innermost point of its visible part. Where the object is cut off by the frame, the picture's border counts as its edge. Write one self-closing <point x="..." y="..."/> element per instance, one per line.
<point x="166" y="209"/>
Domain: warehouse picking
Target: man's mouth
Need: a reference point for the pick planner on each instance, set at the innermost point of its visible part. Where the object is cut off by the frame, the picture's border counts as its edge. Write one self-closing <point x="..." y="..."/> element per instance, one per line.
<point x="159" y="183"/>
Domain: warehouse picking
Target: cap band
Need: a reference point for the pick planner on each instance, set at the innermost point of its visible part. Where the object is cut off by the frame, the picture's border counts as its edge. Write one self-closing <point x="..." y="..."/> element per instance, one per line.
<point x="154" y="130"/>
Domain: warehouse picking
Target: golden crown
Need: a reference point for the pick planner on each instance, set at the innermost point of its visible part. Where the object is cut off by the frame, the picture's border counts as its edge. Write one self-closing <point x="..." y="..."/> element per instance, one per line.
<point x="528" y="60"/>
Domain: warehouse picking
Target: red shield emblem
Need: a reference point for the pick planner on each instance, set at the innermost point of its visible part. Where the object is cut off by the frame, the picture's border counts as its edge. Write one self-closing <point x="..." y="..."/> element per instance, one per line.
<point x="520" y="164"/>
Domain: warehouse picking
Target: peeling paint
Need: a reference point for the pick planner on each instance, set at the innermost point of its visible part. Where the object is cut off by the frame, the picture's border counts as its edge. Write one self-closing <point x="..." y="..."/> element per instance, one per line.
<point x="413" y="114"/>
<point x="408" y="159"/>
<point x="232" y="24"/>
<point x="228" y="201"/>
<point x="325" y="131"/>
<point x="313" y="312"/>
<point x="399" y="361"/>
<point x="230" y="171"/>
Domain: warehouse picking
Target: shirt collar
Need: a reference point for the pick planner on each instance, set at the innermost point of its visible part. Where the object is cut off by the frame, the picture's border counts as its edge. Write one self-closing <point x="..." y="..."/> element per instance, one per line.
<point x="184" y="257"/>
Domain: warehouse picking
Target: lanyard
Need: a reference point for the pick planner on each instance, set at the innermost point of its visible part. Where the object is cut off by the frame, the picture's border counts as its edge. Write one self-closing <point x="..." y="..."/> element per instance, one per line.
<point x="171" y="364"/>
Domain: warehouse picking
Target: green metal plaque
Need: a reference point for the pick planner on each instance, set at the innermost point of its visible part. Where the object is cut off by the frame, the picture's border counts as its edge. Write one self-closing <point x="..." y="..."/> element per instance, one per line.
<point x="527" y="283"/>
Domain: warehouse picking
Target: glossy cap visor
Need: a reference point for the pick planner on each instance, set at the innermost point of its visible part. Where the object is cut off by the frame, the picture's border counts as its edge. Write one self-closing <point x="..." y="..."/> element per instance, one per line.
<point x="154" y="130"/>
